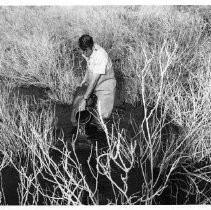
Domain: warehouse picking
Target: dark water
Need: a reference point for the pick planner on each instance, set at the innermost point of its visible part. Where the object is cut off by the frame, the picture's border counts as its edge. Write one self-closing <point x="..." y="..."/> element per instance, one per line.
<point x="177" y="192"/>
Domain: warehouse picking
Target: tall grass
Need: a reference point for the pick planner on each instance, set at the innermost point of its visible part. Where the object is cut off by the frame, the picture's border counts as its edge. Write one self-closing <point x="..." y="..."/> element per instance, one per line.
<point x="161" y="57"/>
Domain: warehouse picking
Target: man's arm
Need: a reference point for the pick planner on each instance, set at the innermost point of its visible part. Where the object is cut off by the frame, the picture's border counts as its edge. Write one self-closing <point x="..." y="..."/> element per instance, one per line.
<point x="92" y="85"/>
<point x="85" y="78"/>
<point x="89" y="91"/>
<point x="98" y="69"/>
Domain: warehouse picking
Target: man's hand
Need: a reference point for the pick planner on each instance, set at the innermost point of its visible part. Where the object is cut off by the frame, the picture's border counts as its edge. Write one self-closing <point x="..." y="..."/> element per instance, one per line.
<point x="82" y="83"/>
<point x="82" y="105"/>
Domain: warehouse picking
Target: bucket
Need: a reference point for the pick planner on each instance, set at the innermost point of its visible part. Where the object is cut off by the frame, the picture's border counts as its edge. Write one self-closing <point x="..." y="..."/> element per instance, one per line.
<point x="83" y="117"/>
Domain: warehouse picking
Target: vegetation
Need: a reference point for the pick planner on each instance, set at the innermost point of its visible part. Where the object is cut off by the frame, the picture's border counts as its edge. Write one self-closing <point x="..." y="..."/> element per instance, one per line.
<point x="161" y="57"/>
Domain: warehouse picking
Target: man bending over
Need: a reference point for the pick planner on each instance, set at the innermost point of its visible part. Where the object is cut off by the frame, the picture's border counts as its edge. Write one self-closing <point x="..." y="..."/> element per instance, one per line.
<point x="99" y="76"/>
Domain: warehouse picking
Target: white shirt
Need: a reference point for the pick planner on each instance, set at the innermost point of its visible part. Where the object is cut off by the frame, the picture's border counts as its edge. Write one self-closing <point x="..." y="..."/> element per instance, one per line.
<point x="100" y="63"/>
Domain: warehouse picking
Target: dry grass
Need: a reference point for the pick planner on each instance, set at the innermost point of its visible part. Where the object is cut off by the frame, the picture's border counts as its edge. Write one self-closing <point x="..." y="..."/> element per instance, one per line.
<point x="161" y="54"/>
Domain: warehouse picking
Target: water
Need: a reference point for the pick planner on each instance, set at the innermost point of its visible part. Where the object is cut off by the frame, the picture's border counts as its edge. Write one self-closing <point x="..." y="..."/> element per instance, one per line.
<point x="177" y="192"/>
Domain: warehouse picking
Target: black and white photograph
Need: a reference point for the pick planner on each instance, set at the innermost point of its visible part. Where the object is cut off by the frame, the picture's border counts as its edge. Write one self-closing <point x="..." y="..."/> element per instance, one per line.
<point x="105" y="104"/>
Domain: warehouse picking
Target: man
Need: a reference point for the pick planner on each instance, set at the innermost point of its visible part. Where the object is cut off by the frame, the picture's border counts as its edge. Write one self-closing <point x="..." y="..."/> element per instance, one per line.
<point x="99" y="76"/>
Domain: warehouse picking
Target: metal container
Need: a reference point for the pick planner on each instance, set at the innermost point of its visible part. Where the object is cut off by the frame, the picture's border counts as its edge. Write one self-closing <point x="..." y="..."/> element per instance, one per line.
<point x="82" y="117"/>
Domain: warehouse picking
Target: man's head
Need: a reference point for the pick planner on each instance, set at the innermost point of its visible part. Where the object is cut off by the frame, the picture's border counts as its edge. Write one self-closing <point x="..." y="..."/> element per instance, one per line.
<point x="86" y="44"/>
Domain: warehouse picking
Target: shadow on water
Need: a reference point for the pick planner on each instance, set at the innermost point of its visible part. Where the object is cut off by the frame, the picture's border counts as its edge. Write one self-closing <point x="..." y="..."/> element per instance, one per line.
<point x="175" y="193"/>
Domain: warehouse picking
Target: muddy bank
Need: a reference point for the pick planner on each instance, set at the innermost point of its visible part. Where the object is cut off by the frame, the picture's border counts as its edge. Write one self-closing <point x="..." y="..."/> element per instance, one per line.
<point x="38" y="98"/>
<point x="125" y="116"/>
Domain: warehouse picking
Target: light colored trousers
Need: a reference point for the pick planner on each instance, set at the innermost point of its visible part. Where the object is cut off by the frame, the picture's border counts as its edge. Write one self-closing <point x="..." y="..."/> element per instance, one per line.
<point x="105" y="98"/>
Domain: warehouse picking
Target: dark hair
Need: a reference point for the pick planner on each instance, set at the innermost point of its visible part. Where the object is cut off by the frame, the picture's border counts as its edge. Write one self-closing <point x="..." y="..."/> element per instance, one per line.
<point x="85" y="41"/>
